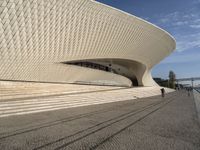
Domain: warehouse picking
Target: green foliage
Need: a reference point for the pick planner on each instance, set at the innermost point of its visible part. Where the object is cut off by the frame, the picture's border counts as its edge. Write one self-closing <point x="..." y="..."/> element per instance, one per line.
<point x="167" y="83"/>
<point x="172" y="79"/>
<point x="161" y="82"/>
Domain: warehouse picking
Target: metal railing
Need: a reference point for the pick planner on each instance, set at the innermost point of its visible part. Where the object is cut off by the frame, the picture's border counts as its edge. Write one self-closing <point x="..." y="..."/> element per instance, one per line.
<point x="197" y="89"/>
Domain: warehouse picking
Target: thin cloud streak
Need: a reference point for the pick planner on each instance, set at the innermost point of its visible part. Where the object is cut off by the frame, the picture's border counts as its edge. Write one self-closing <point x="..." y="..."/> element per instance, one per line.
<point x="178" y="58"/>
<point x="184" y="26"/>
<point x="186" y="42"/>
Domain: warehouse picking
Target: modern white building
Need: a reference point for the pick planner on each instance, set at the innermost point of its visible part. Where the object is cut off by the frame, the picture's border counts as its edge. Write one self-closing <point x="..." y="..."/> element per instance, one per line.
<point x="78" y="41"/>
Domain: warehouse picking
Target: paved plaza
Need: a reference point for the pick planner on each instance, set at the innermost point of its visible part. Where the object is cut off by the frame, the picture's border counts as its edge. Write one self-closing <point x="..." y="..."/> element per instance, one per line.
<point x="152" y="123"/>
<point x="18" y="98"/>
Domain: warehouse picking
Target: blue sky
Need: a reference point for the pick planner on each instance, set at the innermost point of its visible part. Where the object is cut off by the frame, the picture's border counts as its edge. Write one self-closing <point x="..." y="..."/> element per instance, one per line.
<point x="181" y="18"/>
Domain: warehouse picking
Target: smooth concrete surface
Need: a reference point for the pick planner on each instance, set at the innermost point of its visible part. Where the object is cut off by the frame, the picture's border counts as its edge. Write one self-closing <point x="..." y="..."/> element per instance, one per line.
<point x="153" y="123"/>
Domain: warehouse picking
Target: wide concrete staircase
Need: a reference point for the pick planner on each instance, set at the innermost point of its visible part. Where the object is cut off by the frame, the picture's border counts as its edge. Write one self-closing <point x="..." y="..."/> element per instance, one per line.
<point x="24" y="98"/>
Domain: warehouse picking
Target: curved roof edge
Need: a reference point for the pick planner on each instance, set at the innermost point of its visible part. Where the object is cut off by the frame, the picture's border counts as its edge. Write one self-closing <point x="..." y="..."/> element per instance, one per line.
<point x="131" y="15"/>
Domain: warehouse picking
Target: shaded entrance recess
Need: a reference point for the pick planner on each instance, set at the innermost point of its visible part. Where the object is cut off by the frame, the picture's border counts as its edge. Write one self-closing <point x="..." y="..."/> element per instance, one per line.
<point x="129" y="69"/>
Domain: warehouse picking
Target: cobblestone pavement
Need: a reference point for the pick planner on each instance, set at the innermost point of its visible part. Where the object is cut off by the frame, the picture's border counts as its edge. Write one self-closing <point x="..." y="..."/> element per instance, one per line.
<point x="148" y="123"/>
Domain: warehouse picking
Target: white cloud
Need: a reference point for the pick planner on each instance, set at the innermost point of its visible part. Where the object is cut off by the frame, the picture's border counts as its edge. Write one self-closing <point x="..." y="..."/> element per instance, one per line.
<point x="169" y="18"/>
<point x="188" y="41"/>
<point x="180" y="23"/>
<point x="183" y="26"/>
<point x="179" y="19"/>
<point x="164" y="20"/>
<point x="196" y="26"/>
<point x="193" y="57"/>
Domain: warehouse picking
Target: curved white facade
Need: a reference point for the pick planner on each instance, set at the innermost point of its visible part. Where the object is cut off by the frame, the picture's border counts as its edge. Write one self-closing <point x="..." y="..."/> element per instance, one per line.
<point x="41" y="39"/>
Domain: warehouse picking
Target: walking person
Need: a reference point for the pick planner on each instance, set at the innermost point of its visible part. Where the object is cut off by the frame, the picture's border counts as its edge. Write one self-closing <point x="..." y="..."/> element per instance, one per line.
<point x="163" y="92"/>
<point x="188" y="91"/>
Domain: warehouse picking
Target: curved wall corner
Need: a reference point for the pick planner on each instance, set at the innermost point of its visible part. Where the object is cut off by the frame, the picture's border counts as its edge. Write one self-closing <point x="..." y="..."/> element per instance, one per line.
<point x="36" y="36"/>
<point x="148" y="80"/>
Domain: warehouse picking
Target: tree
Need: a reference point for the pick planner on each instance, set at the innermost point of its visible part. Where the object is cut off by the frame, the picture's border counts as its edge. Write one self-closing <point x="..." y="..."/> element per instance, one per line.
<point x="162" y="82"/>
<point x="172" y="79"/>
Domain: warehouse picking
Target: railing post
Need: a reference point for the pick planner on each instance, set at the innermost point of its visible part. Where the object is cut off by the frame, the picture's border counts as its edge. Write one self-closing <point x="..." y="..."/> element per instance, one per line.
<point x="192" y="82"/>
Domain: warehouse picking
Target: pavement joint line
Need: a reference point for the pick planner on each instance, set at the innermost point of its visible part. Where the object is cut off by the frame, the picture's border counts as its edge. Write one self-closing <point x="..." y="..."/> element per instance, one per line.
<point x="39" y="101"/>
<point x="52" y="100"/>
<point x="72" y="118"/>
<point x="30" y="110"/>
<point x="56" y="95"/>
<point x="44" y="93"/>
<point x="68" y="119"/>
<point x="44" y="103"/>
<point x="94" y="126"/>
<point x="50" y="108"/>
<point x="71" y="142"/>
<point x="133" y="123"/>
<point x="27" y="109"/>
<point x="182" y="130"/>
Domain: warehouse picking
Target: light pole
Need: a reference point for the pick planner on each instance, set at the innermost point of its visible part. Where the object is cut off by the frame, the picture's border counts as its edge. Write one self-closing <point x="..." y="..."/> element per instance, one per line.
<point x="192" y="80"/>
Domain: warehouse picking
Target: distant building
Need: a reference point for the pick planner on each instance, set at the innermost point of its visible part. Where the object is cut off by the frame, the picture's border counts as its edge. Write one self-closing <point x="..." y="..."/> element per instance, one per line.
<point x="78" y="41"/>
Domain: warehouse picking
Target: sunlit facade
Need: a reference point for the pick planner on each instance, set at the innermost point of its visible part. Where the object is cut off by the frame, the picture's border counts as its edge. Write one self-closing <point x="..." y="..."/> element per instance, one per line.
<point x="78" y="41"/>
